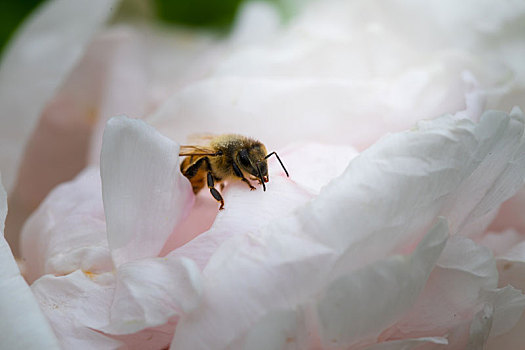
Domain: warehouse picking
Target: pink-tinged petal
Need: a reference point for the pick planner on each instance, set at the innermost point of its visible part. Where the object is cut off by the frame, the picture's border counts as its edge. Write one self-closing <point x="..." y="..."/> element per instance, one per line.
<point x="509" y="250"/>
<point x="145" y="195"/>
<point x="510" y="214"/>
<point x="22" y="325"/>
<point x="68" y="230"/>
<point x="108" y="80"/>
<point x="151" y="291"/>
<point x="460" y="297"/>
<point x="512" y="267"/>
<point x="157" y="338"/>
<point x="124" y="90"/>
<point x="450" y="297"/>
<point x="501" y="242"/>
<point x="510" y="340"/>
<point x="76" y="305"/>
<point x="357" y="307"/>
<point x="200" y="219"/>
<point x="245" y="211"/>
<point x="35" y="64"/>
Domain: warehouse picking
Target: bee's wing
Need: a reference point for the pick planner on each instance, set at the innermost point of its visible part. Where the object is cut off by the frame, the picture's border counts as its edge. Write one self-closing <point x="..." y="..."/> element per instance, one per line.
<point x="201" y="138"/>
<point x="196" y="151"/>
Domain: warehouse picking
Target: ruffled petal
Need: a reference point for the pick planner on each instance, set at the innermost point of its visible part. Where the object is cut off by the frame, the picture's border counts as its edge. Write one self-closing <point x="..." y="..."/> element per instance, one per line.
<point x="509" y="304"/>
<point x="151" y="291"/>
<point x="410" y="178"/>
<point x="145" y="195"/>
<point x="358" y="306"/>
<point x="450" y="297"/>
<point x="502" y="310"/>
<point x="68" y="231"/>
<point x="23" y="325"/>
<point x="76" y="305"/>
<point x="461" y="301"/>
<point x="509" y="250"/>
<point x="250" y="275"/>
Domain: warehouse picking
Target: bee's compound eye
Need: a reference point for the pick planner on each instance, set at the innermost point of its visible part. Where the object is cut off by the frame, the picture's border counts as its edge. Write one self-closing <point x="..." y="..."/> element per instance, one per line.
<point x="243" y="158"/>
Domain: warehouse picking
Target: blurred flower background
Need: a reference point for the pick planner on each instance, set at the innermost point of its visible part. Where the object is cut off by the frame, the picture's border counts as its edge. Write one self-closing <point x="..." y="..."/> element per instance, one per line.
<point x="401" y="226"/>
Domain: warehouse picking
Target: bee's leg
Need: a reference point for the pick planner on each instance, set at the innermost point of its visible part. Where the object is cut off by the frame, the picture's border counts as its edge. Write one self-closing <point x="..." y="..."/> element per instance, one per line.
<point x="192" y="170"/>
<point x="239" y="173"/>
<point x="214" y="191"/>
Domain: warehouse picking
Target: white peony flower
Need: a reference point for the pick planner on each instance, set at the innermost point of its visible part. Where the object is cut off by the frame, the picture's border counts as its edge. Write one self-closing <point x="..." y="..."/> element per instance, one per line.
<point x="400" y="226"/>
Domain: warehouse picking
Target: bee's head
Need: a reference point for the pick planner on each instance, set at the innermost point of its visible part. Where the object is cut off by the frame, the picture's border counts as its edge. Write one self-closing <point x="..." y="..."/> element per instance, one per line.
<point x="252" y="160"/>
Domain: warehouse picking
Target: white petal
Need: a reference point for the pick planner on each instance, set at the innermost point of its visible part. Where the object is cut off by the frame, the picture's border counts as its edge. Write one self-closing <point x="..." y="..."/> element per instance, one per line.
<point x="400" y="185"/>
<point x="508" y="304"/>
<point x="151" y="291"/>
<point x="35" y="64"/>
<point x="408" y="344"/>
<point x="463" y="255"/>
<point x="76" y="306"/>
<point x="22" y="325"/>
<point x="274" y="331"/>
<point x="68" y="231"/>
<point x="328" y="110"/>
<point x="250" y="275"/>
<point x="498" y="172"/>
<point x="145" y="195"/>
<point x="312" y="166"/>
<point x="480" y="328"/>
<point x="358" y="306"/>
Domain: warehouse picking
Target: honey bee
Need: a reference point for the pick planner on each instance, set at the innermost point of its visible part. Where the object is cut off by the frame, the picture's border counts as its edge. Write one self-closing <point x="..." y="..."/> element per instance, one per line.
<point x="226" y="157"/>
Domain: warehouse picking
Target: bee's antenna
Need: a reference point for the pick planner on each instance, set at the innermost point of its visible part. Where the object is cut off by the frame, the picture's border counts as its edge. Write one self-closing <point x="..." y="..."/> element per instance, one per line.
<point x="261" y="176"/>
<point x="279" y="159"/>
